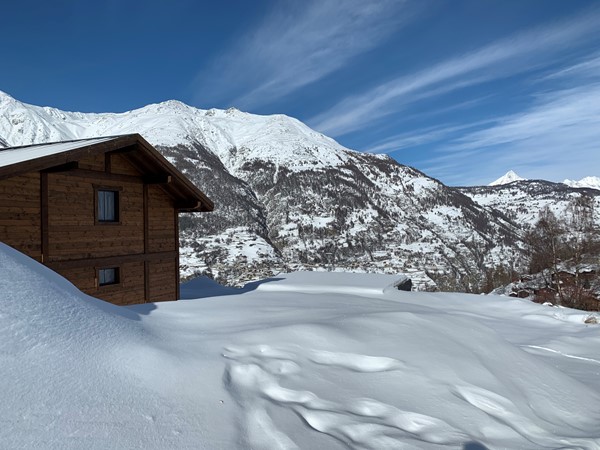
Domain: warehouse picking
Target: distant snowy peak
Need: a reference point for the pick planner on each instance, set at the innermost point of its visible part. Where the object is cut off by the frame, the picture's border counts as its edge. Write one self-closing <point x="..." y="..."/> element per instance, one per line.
<point x="587" y="182"/>
<point x="507" y="178"/>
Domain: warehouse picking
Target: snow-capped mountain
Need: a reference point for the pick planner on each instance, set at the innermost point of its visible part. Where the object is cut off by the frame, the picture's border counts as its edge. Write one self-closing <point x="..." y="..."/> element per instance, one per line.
<point x="522" y="201"/>
<point x="289" y="197"/>
<point x="173" y="123"/>
<point x="586" y="182"/>
<point x="507" y="178"/>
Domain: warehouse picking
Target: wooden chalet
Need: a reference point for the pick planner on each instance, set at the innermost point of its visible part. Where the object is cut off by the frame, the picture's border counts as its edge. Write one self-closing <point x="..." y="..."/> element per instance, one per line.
<point x="102" y="212"/>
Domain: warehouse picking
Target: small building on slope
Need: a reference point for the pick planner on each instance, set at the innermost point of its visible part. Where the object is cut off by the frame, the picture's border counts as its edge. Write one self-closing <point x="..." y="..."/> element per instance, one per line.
<point x="102" y="212"/>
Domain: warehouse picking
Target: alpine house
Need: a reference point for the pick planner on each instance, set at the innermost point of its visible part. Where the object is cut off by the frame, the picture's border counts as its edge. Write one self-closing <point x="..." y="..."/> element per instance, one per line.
<point x="102" y="212"/>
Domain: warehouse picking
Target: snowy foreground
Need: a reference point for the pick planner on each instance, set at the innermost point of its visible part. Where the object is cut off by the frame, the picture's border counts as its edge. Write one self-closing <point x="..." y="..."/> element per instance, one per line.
<point x="311" y="361"/>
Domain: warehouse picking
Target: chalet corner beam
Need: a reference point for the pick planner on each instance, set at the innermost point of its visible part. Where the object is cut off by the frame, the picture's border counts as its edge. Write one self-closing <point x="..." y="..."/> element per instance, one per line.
<point x="44" y="215"/>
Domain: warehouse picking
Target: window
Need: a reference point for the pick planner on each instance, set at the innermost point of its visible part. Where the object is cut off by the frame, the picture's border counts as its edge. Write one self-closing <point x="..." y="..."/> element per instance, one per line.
<point x="108" y="276"/>
<point x="108" y="206"/>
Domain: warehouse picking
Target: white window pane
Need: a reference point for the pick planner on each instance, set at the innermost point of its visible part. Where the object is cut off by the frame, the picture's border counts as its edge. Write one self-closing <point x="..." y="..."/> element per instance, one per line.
<point x="107" y="206"/>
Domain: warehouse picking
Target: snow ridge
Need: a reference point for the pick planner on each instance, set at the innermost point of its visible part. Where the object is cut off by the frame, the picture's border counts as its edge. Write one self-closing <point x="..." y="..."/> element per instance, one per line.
<point x="233" y="135"/>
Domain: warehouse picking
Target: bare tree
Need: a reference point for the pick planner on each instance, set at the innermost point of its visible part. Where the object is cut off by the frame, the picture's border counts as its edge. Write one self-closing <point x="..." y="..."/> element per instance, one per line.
<point x="559" y="248"/>
<point x="581" y="240"/>
<point x="544" y="243"/>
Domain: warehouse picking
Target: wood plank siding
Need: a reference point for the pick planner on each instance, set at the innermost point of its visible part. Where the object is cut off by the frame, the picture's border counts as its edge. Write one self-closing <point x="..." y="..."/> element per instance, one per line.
<point x="20" y="225"/>
<point x="52" y="216"/>
<point x="71" y="219"/>
<point x="163" y="279"/>
<point x="129" y="291"/>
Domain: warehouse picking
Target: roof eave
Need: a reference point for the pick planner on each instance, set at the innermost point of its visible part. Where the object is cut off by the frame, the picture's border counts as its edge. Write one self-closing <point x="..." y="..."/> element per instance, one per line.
<point x="204" y="203"/>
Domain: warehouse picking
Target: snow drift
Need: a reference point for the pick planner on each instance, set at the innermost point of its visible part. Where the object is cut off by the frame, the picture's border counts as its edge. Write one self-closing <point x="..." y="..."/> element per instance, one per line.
<point x="270" y="367"/>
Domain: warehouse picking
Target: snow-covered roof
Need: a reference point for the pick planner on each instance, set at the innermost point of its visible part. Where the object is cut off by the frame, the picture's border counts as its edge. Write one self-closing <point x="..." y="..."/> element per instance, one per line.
<point x="337" y="282"/>
<point x="15" y="155"/>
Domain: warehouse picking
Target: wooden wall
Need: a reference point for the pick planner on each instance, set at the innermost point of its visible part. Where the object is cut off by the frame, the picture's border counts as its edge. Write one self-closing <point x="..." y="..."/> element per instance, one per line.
<point x="144" y="244"/>
<point x="163" y="278"/>
<point x="129" y="291"/>
<point x="93" y="162"/>
<point x="20" y="214"/>
<point x="73" y="233"/>
<point x="161" y="221"/>
<point x="161" y="230"/>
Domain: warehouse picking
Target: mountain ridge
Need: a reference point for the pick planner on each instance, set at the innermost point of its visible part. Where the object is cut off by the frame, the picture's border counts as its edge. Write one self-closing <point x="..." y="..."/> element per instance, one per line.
<point x="288" y="197"/>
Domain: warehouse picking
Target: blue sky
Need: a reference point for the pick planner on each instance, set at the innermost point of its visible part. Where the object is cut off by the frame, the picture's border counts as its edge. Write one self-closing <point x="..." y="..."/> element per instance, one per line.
<point x="463" y="90"/>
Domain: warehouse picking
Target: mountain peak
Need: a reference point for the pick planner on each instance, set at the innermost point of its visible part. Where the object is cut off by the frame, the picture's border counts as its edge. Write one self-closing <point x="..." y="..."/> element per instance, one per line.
<point x="167" y="106"/>
<point x="507" y="178"/>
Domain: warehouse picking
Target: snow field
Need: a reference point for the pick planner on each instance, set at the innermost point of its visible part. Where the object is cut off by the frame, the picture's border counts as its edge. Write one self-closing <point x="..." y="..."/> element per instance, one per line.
<point x="271" y="367"/>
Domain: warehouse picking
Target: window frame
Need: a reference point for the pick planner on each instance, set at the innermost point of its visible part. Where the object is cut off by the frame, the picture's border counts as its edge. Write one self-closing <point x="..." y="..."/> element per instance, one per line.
<point x="117" y="190"/>
<point x="118" y="277"/>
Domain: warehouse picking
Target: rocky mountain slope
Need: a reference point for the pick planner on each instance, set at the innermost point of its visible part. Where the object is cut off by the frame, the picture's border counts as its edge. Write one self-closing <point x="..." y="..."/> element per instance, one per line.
<point x="289" y="197"/>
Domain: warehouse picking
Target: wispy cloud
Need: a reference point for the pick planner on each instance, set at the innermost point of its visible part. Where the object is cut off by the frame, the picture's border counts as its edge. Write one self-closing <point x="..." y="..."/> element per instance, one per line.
<point x="429" y="134"/>
<point x="298" y="44"/>
<point x="500" y="59"/>
<point x="420" y="137"/>
<point x="558" y="137"/>
<point x="589" y="67"/>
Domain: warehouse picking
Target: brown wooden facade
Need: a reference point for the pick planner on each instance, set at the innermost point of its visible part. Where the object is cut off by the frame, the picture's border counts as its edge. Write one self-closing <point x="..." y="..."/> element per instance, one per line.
<point x="49" y="211"/>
